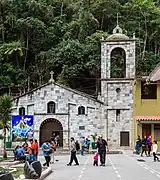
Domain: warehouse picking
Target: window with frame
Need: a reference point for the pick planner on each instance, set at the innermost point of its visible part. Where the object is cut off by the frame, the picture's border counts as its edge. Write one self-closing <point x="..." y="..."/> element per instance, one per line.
<point x="81" y="127"/>
<point x="148" y="91"/>
<point x="21" y="111"/>
<point x="51" y="107"/>
<point x="118" y="90"/>
<point x="81" y="110"/>
<point x="118" y="112"/>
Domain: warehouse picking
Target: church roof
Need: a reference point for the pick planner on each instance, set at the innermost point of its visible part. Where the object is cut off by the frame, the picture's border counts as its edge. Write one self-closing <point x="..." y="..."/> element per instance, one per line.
<point x="61" y="86"/>
<point x="117" y="34"/>
<point x="155" y="74"/>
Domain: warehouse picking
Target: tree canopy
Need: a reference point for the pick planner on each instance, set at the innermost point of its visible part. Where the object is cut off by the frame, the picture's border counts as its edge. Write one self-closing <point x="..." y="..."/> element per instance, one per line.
<point x="37" y="36"/>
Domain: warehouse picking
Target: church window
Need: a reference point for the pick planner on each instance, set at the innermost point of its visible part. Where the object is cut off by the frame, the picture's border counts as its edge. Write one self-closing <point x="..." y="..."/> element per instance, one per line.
<point x="118" y="90"/>
<point x="118" y="115"/>
<point x="81" y="127"/>
<point x="118" y="63"/>
<point x="51" y="107"/>
<point x="148" y="91"/>
<point x="22" y="111"/>
<point x="81" y="110"/>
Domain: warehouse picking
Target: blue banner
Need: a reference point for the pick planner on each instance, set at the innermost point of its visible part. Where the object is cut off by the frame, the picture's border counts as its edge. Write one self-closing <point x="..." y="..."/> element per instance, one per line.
<point x="22" y="127"/>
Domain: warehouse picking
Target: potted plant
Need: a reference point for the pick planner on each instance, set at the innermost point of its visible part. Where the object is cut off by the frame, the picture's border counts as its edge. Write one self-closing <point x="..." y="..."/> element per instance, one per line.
<point x="8" y="143"/>
<point x="94" y="143"/>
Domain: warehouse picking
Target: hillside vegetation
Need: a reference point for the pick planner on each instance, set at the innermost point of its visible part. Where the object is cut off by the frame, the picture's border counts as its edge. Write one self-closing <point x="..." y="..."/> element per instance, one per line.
<point x="37" y="36"/>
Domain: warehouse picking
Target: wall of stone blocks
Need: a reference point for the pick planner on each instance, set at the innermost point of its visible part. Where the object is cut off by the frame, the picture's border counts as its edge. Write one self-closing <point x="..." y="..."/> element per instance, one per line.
<point x="67" y="103"/>
<point x="114" y="128"/>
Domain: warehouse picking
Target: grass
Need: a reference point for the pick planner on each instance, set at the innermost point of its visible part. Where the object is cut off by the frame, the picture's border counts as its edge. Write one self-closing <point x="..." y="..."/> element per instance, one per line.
<point x="18" y="172"/>
<point x="4" y="159"/>
<point x="15" y="174"/>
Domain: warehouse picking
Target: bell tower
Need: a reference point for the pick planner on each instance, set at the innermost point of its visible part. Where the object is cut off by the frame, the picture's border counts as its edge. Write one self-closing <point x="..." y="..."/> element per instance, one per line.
<point x="117" y="84"/>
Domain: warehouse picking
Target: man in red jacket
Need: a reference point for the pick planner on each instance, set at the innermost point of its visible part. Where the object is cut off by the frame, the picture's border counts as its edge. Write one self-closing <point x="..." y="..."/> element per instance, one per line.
<point x="36" y="148"/>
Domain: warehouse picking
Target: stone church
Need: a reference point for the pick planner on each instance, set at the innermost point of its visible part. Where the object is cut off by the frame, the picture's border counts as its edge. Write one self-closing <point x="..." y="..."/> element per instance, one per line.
<point x="70" y="113"/>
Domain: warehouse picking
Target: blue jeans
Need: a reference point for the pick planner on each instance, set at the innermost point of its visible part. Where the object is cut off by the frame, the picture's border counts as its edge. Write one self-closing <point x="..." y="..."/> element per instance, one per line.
<point x="31" y="157"/>
<point x="82" y="150"/>
<point x="137" y="148"/>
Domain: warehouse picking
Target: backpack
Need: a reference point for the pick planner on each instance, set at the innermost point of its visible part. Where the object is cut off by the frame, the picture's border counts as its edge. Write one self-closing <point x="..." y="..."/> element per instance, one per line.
<point x="77" y="146"/>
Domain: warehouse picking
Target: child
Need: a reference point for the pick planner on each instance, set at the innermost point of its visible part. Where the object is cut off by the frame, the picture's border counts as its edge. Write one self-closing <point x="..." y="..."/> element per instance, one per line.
<point x="155" y="148"/>
<point x="95" y="159"/>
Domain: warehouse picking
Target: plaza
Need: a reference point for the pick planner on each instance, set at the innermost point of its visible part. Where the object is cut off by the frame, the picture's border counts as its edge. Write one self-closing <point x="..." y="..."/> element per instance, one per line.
<point x="118" y="167"/>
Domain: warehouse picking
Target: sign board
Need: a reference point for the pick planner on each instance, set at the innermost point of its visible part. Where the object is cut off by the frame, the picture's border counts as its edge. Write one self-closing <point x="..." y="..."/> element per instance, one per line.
<point x="22" y="127"/>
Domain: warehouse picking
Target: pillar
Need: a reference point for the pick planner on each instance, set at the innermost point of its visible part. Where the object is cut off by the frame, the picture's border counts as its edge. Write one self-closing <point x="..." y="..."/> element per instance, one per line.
<point x="65" y="140"/>
<point x="152" y="131"/>
<point x="139" y="130"/>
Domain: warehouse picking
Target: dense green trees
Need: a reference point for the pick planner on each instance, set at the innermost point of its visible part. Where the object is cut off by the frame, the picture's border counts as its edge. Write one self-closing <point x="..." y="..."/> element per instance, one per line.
<point x="5" y="118"/>
<point x="37" y="36"/>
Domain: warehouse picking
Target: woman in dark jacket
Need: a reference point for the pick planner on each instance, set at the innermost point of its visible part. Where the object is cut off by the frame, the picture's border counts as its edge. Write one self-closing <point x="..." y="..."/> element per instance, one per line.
<point x="144" y="147"/>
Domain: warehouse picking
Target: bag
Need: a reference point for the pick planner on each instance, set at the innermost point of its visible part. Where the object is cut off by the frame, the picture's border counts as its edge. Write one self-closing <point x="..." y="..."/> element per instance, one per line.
<point x="50" y="151"/>
<point x="77" y="146"/>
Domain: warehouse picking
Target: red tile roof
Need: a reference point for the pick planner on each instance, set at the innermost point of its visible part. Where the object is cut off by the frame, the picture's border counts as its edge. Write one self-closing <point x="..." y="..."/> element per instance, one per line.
<point x="148" y="118"/>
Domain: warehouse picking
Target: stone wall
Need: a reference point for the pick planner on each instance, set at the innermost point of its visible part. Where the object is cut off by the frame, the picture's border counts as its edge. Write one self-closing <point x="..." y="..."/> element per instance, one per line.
<point x="117" y="94"/>
<point x="115" y="127"/>
<point x="123" y="101"/>
<point x="67" y="103"/>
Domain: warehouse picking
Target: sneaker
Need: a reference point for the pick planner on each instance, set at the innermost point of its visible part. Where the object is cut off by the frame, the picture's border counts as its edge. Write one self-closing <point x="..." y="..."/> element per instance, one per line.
<point x="76" y="164"/>
<point x="68" y="164"/>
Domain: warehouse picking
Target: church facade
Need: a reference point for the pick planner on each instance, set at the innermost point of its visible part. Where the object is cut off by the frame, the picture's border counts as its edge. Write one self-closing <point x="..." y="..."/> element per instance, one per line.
<point x="70" y="113"/>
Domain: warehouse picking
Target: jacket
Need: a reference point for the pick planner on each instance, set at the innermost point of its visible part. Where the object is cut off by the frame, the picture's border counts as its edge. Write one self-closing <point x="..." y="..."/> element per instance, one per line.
<point x="73" y="146"/>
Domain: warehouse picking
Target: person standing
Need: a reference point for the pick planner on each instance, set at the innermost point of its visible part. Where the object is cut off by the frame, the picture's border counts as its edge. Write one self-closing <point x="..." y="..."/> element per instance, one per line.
<point x="53" y="147"/>
<point x="83" y="143"/>
<point x="30" y="135"/>
<point x="46" y="148"/>
<point x="149" y="145"/>
<point x="36" y="149"/>
<point x="95" y="163"/>
<point x="155" y="149"/>
<point x="57" y="140"/>
<point x="31" y="148"/>
<point x="144" y="146"/>
<point x="73" y="153"/>
<point x="138" y="145"/>
<point x="88" y="142"/>
<point x="102" y="145"/>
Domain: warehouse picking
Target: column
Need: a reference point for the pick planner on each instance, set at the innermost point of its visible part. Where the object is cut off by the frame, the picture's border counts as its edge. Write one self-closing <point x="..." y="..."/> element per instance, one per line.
<point x="65" y="140"/>
<point x="152" y="131"/>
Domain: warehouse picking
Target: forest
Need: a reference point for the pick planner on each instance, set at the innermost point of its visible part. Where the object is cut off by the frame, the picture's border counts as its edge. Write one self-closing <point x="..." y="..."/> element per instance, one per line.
<point x="64" y="36"/>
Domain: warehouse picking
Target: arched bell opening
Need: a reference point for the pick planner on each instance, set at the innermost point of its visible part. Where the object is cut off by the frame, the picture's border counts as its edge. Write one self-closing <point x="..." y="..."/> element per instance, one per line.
<point x="118" y="63"/>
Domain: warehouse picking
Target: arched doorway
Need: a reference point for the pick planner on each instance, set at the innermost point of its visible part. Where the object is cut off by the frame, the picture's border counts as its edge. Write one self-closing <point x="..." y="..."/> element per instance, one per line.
<point x="48" y="127"/>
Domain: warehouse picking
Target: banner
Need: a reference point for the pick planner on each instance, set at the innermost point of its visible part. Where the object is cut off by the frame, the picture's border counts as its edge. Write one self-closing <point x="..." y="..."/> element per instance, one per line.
<point x="22" y="127"/>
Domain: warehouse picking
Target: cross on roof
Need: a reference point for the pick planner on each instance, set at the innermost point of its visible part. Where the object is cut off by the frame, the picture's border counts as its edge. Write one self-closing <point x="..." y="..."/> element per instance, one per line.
<point x="117" y="29"/>
<point x="117" y="20"/>
<point x="52" y="79"/>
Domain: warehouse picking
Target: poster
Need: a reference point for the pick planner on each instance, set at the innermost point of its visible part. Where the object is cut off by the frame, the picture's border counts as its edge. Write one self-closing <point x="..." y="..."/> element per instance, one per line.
<point x="22" y="127"/>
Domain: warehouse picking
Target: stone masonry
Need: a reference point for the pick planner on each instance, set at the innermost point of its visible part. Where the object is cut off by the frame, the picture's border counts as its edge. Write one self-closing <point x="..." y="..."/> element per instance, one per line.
<point x="67" y="103"/>
<point x="117" y="94"/>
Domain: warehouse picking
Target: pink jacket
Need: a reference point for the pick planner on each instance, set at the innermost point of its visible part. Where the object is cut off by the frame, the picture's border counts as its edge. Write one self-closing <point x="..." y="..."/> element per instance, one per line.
<point x="96" y="157"/>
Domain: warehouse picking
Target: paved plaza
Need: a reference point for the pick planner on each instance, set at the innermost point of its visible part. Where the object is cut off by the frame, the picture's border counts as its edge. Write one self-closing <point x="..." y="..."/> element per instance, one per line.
<point x="118" y="167"/>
